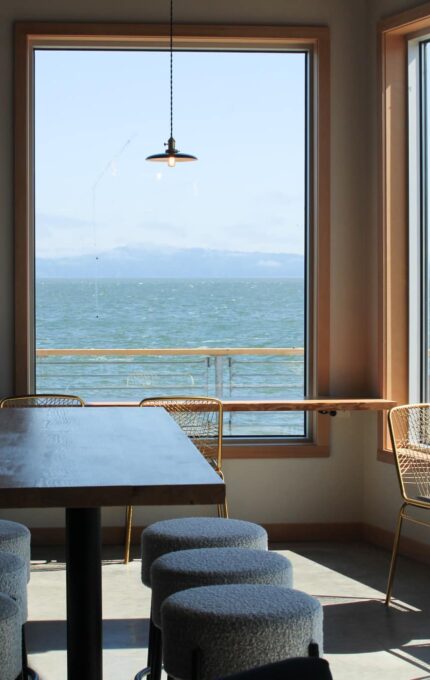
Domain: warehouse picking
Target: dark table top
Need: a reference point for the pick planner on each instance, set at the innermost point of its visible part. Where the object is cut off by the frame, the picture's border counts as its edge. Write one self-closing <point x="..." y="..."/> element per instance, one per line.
<point x="94" y="457"/>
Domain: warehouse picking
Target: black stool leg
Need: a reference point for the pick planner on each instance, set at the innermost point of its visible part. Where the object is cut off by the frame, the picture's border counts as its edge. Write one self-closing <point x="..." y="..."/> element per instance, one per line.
<point x="147" y="671"/>
<point x="27" y="672"/>
<point x="313" y="650"/>
<point x="156" y="655"/>
<point x="24" y="652"/>
<point x="196" y="664"/>
<point x="150" y="639"/>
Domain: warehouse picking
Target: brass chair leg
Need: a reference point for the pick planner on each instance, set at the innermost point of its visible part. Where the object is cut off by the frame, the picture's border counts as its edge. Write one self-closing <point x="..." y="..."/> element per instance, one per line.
<point x="394" y="555"/>
<point x="222" y="507"/>
<point x="223" y="510"/>
<point x="128" y="520"/>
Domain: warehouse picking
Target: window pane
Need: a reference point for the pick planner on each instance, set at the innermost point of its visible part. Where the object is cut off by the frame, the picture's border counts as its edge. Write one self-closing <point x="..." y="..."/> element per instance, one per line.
<point x="425" y="239"/>
<point x="419" y="227"/>
<point x="203" y="263"/>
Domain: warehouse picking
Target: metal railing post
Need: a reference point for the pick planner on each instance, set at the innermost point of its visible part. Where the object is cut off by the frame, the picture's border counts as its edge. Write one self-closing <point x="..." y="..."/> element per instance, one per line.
<point x="230" y="390"/>
<point x="219" y="377"/>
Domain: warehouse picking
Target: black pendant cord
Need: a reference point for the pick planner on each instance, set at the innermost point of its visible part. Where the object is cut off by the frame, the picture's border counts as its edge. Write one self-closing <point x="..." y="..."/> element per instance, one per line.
<point x="171" y="153"/>
<point x="171" y="68"/>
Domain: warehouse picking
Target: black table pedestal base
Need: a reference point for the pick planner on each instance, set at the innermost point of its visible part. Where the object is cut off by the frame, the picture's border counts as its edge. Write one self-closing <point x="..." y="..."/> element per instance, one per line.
<point x="84" y="594"/>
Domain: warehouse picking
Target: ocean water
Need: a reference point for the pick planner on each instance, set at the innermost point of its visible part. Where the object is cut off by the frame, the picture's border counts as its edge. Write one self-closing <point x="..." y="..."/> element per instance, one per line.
<point x="172" y="314"/>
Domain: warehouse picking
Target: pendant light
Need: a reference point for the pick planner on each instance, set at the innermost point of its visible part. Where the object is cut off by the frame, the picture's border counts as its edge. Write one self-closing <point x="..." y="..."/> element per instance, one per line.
<point x="171" y="155"/>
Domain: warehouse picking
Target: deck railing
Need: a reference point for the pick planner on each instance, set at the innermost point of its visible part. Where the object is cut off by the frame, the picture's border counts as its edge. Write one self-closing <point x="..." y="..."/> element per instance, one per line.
<point x="132" y="374"/>
<point x="221" y="372"/>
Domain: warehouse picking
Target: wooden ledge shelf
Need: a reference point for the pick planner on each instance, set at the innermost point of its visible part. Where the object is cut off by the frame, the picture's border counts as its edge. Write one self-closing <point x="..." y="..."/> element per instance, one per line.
<point x="323" y="404"/>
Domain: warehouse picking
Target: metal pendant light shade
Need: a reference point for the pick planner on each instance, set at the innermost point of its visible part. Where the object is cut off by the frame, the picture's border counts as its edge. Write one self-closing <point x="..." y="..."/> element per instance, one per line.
<point x="171" y="155"/>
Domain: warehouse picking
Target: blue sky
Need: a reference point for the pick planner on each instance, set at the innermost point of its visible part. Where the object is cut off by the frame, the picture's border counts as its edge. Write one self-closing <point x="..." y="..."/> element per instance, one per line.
<point x="100" y="113"/>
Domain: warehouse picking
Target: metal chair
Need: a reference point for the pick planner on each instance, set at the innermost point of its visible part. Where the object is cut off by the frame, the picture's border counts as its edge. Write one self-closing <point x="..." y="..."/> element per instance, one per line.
<point x="201" y="418"/>
<point x="410" y="436"/>
<point x="44" y="400"/>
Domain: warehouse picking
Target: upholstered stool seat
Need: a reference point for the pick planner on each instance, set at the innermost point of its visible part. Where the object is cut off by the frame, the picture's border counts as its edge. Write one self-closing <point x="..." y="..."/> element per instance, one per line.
<point x="186" y="533"/>
<point x="15" y="538"/>
<point x="10" y="639"/>
<point x="220" y="630"/>
<point x="185" y="569"/>
<point x="197" y="532"/>
<point x="13" y="581"/>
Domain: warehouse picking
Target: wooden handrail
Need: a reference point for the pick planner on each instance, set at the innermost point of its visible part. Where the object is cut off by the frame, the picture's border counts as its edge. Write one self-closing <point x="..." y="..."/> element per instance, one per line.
<point x="175" y="351"/>
<point x="179" y="351"/>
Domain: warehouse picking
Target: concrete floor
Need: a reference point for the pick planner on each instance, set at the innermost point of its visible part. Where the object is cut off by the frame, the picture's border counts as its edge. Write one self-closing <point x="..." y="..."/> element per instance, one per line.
<point x="362" y="638"/>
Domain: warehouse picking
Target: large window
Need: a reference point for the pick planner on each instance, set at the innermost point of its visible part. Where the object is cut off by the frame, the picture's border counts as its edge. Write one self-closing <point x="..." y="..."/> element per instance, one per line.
<point x="198" y="279"/>
<point x="206" y="262"/>
<point x="404" y="210"/>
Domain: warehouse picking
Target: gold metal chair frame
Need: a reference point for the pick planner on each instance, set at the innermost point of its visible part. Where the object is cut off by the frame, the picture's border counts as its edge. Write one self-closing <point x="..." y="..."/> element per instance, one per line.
<point x="201" y="418"/>
<point x="41" y="400"/>
<point x="410" y="436"/>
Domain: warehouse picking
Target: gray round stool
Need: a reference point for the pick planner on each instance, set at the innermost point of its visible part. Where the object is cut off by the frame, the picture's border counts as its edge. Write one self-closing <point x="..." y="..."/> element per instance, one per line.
<point x="10" y="639"/>
<point x="185" y="533"/>
<point x="214" y="631"/>
<point x="15" y="538"/>
<point x="185" y="569"/>
<point x="13" y="581"/>
<point x="197" y="532"/>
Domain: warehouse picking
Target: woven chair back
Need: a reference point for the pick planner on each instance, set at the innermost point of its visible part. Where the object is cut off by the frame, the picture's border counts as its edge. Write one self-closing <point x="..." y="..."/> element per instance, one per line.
<point x="46" y="400"/>
<point x="410" y="436"/>
<point x="200" y="418"/>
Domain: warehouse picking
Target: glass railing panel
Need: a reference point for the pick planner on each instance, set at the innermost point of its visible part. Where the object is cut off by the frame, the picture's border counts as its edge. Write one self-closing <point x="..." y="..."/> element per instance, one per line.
<point x="126" y="376"/>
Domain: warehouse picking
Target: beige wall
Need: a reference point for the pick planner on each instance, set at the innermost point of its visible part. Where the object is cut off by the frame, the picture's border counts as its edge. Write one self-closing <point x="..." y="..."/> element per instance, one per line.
<point x="272" y="491"/>
<point x="347" y="21"/>
<point x="321" y="490"/>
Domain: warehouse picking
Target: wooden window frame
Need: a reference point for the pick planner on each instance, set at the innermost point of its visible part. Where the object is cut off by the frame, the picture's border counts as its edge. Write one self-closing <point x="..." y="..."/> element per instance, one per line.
<point x="29" y="36"/>
<point x="394" y="34"/>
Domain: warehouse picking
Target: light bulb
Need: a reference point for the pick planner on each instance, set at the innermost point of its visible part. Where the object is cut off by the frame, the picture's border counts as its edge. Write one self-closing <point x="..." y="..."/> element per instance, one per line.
<point x="171" y="162"/>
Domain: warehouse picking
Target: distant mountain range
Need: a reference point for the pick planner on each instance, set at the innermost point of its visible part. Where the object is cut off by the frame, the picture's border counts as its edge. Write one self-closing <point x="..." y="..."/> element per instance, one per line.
<point x="150" y="262"/>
